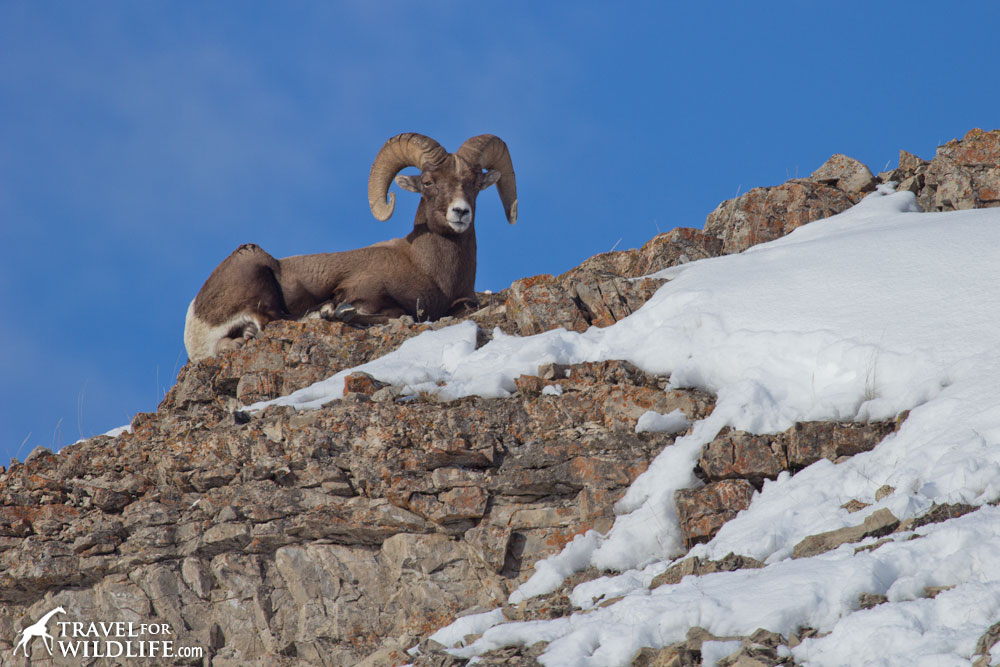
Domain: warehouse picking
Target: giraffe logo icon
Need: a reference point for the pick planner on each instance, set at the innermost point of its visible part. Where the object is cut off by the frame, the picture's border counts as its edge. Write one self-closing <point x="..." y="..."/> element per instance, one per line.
<point x="38" y="629"/>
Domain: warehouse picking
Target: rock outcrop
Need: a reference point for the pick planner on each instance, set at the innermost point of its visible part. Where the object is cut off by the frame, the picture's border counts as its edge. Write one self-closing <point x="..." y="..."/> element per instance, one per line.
<point x="735" y="464"/>
<point x="343" y="535"/>
<point x="321" y="537"/>
<point x="965" y="173"/>
<point x="348" y="534"/>
<point x="600" y="291"/>
<point x="765" y="214"/>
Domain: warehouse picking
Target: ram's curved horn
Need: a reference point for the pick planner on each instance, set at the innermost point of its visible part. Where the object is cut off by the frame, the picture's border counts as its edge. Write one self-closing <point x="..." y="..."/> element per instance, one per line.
<point x="403" y="150"/>
<point x="490" y="152"/>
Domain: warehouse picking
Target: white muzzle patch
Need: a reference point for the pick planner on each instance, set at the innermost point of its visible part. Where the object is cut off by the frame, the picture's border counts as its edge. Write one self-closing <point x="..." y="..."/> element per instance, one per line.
<point x="459" y="215"/>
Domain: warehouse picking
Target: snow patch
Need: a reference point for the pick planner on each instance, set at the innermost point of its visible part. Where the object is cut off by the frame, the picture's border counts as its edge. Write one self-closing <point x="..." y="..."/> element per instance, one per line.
<point x="654" y="422"/>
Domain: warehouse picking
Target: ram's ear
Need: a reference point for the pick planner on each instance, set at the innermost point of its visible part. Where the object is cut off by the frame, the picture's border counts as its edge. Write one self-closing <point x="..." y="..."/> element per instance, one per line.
<point x="409" y="182"/>
<point x="490" y="177"/>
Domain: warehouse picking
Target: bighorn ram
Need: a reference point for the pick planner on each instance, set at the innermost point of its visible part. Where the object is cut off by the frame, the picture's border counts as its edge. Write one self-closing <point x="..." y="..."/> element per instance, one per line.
<point x="428" y="274"/>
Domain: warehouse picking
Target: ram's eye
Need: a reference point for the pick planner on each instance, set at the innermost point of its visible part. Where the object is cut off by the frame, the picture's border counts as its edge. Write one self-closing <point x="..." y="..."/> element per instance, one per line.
<point x="428" y="184"/>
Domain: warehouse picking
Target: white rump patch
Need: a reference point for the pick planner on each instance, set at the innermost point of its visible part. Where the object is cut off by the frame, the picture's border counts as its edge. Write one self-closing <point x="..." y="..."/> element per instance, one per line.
<point x="201" y="338"/>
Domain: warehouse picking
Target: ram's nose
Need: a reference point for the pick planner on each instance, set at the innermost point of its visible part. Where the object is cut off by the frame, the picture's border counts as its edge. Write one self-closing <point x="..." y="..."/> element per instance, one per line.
<point x="460" y="213"/>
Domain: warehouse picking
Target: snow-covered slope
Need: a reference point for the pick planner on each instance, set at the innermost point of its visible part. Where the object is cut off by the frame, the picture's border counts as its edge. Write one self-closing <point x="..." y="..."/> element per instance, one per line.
<point x="860" y="316"/>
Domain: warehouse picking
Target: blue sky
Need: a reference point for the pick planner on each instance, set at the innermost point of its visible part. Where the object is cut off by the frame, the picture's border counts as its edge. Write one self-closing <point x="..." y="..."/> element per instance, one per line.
<point x="142" y="142"/>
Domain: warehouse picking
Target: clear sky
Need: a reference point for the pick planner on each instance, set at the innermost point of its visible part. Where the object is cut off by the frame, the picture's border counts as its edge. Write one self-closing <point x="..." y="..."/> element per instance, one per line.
<point x="140" y="143"/>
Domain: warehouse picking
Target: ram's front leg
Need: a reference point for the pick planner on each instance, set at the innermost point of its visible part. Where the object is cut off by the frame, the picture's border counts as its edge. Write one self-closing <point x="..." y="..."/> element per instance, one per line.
<point x="358" y="313"/>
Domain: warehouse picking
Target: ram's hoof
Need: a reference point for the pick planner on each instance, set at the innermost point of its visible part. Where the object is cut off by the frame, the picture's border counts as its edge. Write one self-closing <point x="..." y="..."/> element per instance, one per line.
<point x="250" y="331"/>
<point x="345" y="312"/>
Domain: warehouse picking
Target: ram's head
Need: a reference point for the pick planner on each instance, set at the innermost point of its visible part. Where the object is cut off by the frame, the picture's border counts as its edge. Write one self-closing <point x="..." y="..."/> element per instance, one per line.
<point x="448" y="182"/>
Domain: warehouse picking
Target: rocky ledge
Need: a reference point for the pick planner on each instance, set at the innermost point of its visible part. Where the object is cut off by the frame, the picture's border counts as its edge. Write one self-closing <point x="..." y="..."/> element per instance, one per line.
<point x="348" y="534"/>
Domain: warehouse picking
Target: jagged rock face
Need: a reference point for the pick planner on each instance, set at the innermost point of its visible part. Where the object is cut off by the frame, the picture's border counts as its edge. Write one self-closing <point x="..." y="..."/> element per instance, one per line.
<point x="599" y="292"/>
<point x="329" y="536"/>
<point x="702" y="512"/>
<point x="739" y="455"/>
<point x="292" y="355"/>
<point x="678" y="246"/>
<point x="735" y="464"/>
<point x="765" y="214"/>
<point x="324" y="537"/>
<point x="965" y="173"/>
<point x="847" y="175"/>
